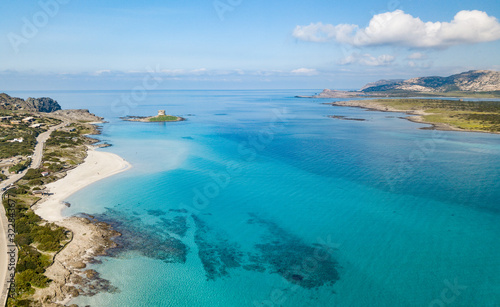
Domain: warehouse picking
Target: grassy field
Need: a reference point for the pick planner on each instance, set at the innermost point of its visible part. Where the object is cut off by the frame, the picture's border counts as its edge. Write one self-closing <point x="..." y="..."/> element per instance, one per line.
<point x="164" y="118"/>
<point x="469" y="115"/>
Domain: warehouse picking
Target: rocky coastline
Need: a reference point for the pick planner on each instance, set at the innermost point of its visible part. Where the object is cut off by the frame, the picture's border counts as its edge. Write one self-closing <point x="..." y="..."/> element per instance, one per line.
<point x="70" y="277"/>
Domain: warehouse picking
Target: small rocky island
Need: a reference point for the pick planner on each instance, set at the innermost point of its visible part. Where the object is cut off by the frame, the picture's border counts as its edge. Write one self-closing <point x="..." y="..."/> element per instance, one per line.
<point x="341" y="117"/>
<point x="161" y="117"/>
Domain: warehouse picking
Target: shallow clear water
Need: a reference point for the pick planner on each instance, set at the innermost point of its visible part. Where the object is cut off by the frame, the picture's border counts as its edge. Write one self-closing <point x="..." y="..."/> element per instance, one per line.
<point x="260" y="199"/>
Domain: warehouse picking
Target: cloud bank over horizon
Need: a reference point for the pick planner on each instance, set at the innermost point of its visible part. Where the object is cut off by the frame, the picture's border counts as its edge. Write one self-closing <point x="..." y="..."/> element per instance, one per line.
<point x="368" y="59"/>
<point x="400" y="29"/>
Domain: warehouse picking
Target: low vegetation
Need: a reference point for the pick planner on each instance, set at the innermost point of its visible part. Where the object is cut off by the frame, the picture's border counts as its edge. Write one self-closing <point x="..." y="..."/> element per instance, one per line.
<point x="469" y="115"/>
<point x="164" y="118"/>
<point x="21" y="166"/>
<point x="15" y="128"/>
<point x="10" y="148"/>
<point x="36" y="241"/>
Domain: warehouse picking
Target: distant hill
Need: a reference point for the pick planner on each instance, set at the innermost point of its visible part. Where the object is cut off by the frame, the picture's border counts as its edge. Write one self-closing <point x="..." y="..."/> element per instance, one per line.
<point x="474" y="83"/>
<point x="43" y="104"/>
<point x="470" y="81"/>
<point x="382" y="83"/>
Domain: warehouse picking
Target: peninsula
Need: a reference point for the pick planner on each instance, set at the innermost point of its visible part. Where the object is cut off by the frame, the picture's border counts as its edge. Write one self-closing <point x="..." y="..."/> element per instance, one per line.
<point x="413" y="96"/>
<point x="51" y="250"/>
<point x="456" y="115"/>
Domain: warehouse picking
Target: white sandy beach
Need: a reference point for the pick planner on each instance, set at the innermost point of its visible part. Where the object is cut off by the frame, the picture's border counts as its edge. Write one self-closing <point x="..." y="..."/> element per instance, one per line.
<point x="88" y="240"/>
<point x="98" y="165"/>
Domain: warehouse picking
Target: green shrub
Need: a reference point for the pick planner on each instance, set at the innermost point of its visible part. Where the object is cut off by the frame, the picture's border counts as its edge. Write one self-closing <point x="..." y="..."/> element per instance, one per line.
<point x="35" y="182"/>
<point x="17" y="191"/>
<point x="23" y="239"/>
<point x="20" y="166"/>
<point x="33" y="174"/>
<point x="25" y="279"/>
<point x="55" y="167"/>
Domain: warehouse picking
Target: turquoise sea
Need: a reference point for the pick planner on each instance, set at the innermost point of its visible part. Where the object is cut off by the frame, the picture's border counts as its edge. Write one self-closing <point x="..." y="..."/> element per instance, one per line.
<point x="261" y="199"/>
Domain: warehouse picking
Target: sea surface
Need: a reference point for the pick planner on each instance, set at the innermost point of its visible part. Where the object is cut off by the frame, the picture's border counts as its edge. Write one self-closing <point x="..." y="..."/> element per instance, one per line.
<point x="261" y="199"/>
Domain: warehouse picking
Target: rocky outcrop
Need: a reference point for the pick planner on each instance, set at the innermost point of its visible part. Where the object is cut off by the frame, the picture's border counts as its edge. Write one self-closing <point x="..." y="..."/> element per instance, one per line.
<point x="43" y="104"/>
<point x="10" y="103"/>
<point x="81" y="115"/>
<point x="68" y="274"/>
<point x="470" y="81"/>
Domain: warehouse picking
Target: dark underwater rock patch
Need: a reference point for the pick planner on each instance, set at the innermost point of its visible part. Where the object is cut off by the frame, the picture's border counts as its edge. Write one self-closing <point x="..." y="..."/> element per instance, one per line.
<point x="156" y="212"/>
<point x="153" y="241"/>
<point x="277" y="252"/>
<point x="89" y="283"/>
<point x="216" y="253"/>
<point x="179" y="210"/>
<point x="177" y="225"/>
<point x="308" y="266"/>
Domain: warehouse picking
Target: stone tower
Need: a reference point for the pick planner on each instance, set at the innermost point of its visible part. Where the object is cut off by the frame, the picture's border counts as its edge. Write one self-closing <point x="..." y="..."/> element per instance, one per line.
<point x="161" y="112"/>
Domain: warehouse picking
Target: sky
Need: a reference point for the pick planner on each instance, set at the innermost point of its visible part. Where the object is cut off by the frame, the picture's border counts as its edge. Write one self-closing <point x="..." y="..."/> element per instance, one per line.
<point x="240" y="44"/>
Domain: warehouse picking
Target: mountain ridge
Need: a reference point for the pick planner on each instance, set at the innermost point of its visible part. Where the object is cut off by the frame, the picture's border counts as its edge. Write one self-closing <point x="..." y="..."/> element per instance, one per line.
<point x="469" y="81"/>
<point x="472" y="83"/>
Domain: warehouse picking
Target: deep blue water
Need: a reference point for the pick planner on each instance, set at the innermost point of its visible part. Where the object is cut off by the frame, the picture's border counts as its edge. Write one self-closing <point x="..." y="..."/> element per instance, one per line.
<point x="261" y="199"/>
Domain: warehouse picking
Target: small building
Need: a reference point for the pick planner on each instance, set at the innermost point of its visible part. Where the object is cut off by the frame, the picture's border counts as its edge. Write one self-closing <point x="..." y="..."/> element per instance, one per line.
<point x="20" y="140"/>
<point x="161" y="112"/>
<point x="28" y="119"/>
<point x="39" y="192"/>
<point x="36" y="126"/>
<point x="5" y="118"/>
<point x="45" y="174"/>
<point x="15" y="122"/>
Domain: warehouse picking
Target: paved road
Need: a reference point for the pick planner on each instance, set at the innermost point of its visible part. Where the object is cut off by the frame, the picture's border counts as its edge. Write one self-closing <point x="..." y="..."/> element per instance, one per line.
<point x="8" y="251"/>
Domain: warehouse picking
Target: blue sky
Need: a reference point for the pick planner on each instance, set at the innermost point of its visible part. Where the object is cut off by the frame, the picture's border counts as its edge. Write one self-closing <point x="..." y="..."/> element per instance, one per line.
<point x="240" y="44"/>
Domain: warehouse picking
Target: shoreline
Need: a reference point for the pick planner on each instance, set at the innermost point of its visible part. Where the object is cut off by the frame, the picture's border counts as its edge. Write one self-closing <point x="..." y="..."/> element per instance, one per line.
<point x="96" y="166"/>
<point x="416" y="116"/>
<point x="89" y="238"/>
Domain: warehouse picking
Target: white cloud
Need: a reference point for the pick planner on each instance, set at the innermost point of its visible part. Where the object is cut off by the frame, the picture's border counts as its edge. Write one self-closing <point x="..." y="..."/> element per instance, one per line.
<point x="318" y="32"/>
<point x="417" y="56"/>
<point x="198" y="72"/>
<point x="420" y="64"/>
<point x="305" y="72"/>
<point x="367" y="59"/>
<point x="102" y="71"/>
<point x="401" y="29"/>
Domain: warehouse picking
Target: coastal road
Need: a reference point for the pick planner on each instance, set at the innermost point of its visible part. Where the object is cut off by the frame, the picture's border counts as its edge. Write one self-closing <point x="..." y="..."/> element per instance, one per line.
<point x="5" y="247"/>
